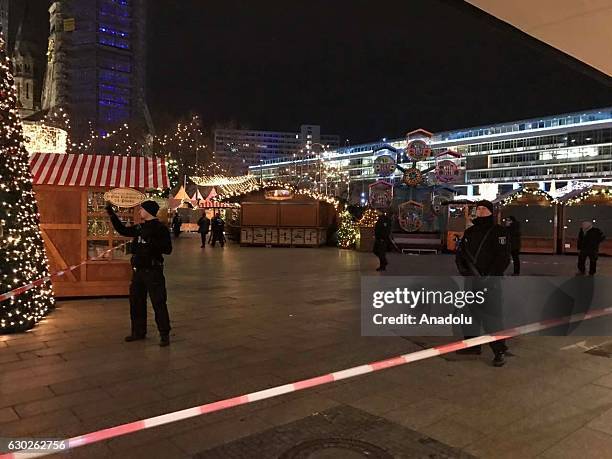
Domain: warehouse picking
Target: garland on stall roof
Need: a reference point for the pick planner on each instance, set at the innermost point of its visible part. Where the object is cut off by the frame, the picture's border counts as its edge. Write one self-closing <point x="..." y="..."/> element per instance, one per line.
<point x="519" y="194"/>
<point x="256" y="186"/>
<point x="605" y="192"/>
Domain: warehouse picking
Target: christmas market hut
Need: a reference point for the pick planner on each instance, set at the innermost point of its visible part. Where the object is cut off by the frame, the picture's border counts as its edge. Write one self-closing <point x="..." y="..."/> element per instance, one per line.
<point x="72" y="191"/>
<point x="536" y="212"/>
<point x="459" y="216"/>
<point x="281" y="215"/>
<point x="581" y="201"/>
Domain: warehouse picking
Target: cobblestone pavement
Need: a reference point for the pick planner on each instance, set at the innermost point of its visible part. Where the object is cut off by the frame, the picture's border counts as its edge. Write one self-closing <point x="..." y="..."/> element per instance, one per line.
<point x="249" y="318"/>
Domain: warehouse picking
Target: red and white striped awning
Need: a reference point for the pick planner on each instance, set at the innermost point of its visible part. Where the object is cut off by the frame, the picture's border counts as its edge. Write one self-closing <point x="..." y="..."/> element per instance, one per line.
<point x="98" y="170"/>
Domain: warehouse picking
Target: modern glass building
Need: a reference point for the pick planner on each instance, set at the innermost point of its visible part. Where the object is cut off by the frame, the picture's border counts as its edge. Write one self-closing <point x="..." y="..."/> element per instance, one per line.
<point x="495" y="158"/>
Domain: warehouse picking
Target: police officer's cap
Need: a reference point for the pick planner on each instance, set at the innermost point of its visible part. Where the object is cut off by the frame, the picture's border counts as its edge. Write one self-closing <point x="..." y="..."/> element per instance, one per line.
<point x="151" y="207"/>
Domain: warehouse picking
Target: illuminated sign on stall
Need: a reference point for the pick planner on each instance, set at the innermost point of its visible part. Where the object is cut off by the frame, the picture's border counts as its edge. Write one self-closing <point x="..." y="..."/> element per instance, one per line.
<point x="278" y="195"/>
<point x="124" y="197"/>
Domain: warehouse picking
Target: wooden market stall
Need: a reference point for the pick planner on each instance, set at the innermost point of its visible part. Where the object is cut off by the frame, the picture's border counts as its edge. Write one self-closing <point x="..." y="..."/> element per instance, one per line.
<point x="459" y="216"/>
<point x="580" y="202"/>
<point x="537" y="213"/>
<point x="75" y="227"/>
<point x="277" y="217"/>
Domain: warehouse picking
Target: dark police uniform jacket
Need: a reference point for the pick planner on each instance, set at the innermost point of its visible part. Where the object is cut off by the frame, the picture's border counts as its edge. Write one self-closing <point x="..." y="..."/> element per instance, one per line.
<point x="589" y="242"/>
<point x="203" y="225"/>
<point x="484" y="249"/>
<point x="382" y="232"/>
<point x="151" y="241"/>
<point x="514" y="236"/>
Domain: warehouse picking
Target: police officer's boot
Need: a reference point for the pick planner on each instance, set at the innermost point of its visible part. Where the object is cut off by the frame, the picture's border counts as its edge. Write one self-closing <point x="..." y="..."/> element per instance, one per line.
<point x="499" y="360"/>
<point x="164" y="340"/>
<point x="131" y="338"/>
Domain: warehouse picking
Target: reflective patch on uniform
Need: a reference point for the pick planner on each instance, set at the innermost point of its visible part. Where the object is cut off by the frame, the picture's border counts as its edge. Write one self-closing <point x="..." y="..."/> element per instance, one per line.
<point x="502" y="240"/>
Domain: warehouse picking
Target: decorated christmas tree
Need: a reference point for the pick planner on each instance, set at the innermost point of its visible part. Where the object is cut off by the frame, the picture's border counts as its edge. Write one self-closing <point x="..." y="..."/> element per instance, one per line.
<point x="22" y="254"/>
<point x="348" y="232"/>
<point x="369" y="218"/>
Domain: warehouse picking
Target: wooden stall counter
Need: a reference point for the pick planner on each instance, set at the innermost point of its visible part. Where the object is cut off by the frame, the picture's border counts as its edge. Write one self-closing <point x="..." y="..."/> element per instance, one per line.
<point x="284" y="220"/>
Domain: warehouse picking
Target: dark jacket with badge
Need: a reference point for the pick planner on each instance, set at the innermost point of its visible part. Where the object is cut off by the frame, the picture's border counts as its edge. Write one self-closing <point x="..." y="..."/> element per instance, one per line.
<point x="151" y="241"/>
<point x="588" y="242"/>
<point x="484" y="249"/>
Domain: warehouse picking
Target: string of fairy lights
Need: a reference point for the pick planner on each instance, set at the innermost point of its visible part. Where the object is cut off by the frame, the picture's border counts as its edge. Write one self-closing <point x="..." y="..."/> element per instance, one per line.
<point x="251" y="186"/>
<point x="318" y="172"/>
<point x="525" y="191"/>
<point x="348" y="231"/>
<point x="585" y="192"/>
<point x="22" y="255"/>
<point x="605" y="193"/>
<point x="368" y="219"/>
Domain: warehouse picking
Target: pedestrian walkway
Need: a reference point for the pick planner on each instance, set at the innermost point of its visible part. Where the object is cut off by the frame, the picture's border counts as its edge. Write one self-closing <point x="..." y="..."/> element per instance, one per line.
<point x="245" y="319"/>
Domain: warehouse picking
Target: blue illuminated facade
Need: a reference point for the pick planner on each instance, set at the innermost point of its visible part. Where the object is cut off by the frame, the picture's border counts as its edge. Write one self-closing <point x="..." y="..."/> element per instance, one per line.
<point x="106" y="62"/>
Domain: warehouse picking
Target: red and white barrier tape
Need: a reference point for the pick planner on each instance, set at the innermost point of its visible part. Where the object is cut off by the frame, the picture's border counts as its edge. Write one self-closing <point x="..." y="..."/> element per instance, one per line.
<point x="168" y="418"/>
<point x="24" y="288"/>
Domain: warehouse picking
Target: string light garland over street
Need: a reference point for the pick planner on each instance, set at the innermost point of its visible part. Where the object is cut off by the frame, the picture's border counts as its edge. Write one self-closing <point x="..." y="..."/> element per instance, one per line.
<point x="22" y="253"/>
<point x="40" y="138"/>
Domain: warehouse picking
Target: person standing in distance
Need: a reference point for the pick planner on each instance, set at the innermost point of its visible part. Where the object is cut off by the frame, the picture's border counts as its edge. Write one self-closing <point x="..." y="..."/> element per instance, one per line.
<point x="176" y="224"/>
<point x="513" y="227"/>
<point x="218" y="230"/>
<point x="151" y="241"/>
<point x="484" y="252"/>
<point x="589" y="239"/>
<point x="203" y="227"/>
<point x="382" y="233"/>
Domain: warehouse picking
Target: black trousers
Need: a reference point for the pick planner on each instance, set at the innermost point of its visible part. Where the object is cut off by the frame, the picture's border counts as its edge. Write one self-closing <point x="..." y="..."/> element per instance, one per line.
<point x="582" y="257"/>
<point x="380" y="250"/>
<point x="151" y="282"/>
<point x="203" y="236"/>
<point x="516" y="261"/>
<point x="489" y="316"/>
<point x="217" y="236"/>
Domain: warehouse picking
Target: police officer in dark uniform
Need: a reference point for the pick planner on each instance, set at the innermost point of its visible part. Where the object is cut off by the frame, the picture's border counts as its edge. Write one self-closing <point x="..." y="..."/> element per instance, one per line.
<point x="484" y="251"/>
<point x="589" y="239"/>
<point x="151" y="241"/>
<point x="218" y="230"/>
<point x="382" y="233"/>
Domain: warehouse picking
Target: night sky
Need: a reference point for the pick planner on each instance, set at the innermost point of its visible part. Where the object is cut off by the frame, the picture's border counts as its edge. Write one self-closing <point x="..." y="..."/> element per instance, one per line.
<point x="363" y="69"/>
